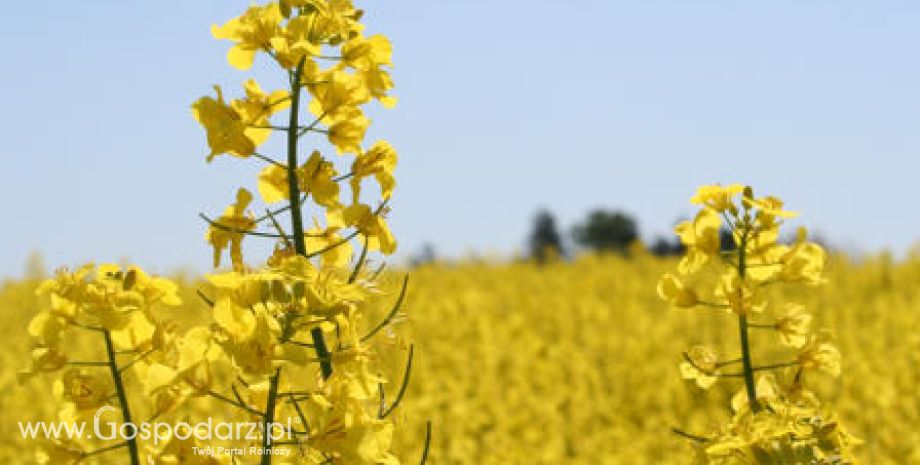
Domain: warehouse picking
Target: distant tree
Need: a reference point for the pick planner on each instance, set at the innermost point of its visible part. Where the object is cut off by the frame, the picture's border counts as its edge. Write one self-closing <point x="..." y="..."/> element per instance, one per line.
<point x="545" y="242"/>
<point x="662" y="247"/>
<point x="424" y="256"/>
<point x="610" y="231"/>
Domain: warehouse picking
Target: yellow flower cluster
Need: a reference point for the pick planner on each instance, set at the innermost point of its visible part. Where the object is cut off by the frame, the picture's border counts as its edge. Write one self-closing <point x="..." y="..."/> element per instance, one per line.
<point x="776" y="419"/>
<point x="121" y="303"/>
<point x="300" y="37"/>
<point x="287" y="341"/>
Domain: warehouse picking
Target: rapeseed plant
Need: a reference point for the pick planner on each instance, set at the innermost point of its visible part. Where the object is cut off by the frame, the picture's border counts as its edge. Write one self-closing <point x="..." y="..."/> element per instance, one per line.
<point x="290" y="340"/>
<point x="776" y="419"/>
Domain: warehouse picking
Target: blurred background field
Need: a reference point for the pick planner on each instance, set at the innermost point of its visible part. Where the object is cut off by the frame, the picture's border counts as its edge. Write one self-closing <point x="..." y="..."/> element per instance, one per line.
<point x="576" y="361"/>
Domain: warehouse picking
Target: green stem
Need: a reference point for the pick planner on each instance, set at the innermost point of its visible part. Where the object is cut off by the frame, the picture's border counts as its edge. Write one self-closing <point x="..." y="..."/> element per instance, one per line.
<point x="237" y="404"/>
<point x="270" y="417"/>
<point x="122" y="395"/>
<point x="361" y="258"/>
<point x="300" y="245"/>
<point x="325" y="358"/>
<point x="402" y="389"/>
<point x="690" y="436"/>
<point x="746" y="362"/>
<point x="427" y="443"/>
<point x="104" y="450"/>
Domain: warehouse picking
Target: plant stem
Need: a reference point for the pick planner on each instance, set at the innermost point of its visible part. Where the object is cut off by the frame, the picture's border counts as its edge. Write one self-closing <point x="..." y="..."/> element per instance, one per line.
<point x="270" y="417"/>
<point x="122" y="395"/>
<point x="293" y="183"/>
<point x="300" y="247"/>
<point x="299" y="243"/>
<point x="104" y="450"/>
<point x="237" y="404"/>
<point x="361" y="258"/>
<point x="746" y="363"/>
<point x="322" y="352"/>
<point x="402" y="389"/>
<point x="692" y="437"/>
<point x="296" y="217"/>
<point x="427" y="443"/>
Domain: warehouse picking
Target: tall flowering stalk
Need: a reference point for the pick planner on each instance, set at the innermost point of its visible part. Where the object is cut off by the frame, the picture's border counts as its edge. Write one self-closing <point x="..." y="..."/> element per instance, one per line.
<point x="776" y="419"/>
<point x="291" y="345"/>
<point x="306" y="300"/>
<point x="114" y="315"/>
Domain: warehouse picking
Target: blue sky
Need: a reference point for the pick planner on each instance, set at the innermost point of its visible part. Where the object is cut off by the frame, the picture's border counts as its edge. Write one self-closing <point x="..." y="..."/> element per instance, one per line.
<point x="505" y="107"/>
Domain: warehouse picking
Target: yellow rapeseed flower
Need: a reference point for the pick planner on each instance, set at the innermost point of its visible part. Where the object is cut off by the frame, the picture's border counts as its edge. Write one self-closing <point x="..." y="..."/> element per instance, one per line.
<point x="225" y="127"/>
<point x="794" y="325"/>
<point x="671" y="289"/>
<point x="378" y="161"/>
<point x="372" y="226"/>
<point x="250" y="32"/>
<point x="230" y="229"/>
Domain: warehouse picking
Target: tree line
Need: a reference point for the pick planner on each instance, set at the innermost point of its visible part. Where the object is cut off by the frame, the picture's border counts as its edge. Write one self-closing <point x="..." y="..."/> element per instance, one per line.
<point x="602" y="231"/>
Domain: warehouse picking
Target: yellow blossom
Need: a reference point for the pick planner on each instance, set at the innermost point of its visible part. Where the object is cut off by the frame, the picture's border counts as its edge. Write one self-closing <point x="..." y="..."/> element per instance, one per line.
<point x="717" y="197"/>
<point x="793" y="326"/>
<point x="369" y="56"/>
<point x="740" y="295"/>
<point x="336" y="95"/>
<point x="86" y="388"/>
<point x="44" y="360"/>
<point x="296" y="43"/>
<point x="226" y="129"/>
<point x="768" y="209"/>
<point x="336" y="252"/>
<point x="250" y="32"/>
<point x="670" y="288"/>
<point x="378" y="161"/>
<point x="333" y="21"/>
<point x="366" y="53"/>
<point x="701" y="236"/>
<point x="820" y="354"/>
<point x="804" y="262"/>
<point x="230" y="228"/>
<point x="372" y="226"/>
<point x="256" y="109"/>
<point x="315" y="177"/>
<point x="255" y="353"/>
<point x="767" y="390"/>
<point x="331" y="294"/>
<point x="347" y="131"/>
<point x="273" y="184"/>
<point x="47" y="328"/>
<point x="701" y="366"/>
